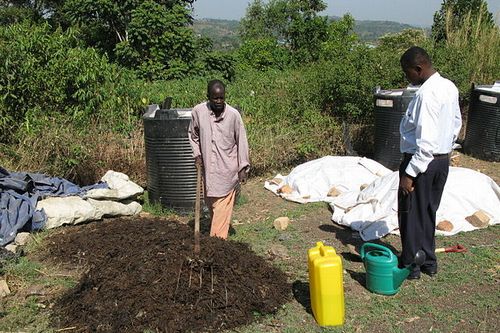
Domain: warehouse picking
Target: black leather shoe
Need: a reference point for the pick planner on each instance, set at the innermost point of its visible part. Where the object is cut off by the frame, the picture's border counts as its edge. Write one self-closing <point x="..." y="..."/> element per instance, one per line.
<point x="414" y="275"/>
<point x="429" y="270"/>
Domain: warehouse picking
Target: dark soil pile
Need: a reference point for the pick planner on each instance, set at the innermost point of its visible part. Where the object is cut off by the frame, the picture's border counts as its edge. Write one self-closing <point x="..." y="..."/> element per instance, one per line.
<point x="142" y="275"/>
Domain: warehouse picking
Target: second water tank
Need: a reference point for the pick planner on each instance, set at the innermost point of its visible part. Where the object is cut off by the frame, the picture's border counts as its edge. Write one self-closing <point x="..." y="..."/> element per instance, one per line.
<point x="482" y="135"/>
<point x="389" y="108"/>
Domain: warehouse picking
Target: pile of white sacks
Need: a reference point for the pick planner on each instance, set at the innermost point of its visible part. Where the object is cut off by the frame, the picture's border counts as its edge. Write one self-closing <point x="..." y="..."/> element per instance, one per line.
<point x="363" y="194"/>
<point x="118" y="200"/>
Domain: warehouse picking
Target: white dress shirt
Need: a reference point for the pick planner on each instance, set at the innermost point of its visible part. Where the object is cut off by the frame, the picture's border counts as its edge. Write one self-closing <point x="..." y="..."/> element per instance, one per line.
<point x="431" y="123"/>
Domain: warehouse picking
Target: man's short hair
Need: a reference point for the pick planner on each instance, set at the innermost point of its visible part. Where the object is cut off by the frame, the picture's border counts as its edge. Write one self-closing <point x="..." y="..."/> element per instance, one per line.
<point x="415" y="56"/>
<point x="215" y="84"/>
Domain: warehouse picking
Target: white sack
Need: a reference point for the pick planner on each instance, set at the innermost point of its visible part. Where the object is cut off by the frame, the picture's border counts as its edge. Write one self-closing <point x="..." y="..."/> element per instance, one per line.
<point x="311" y="181"/>
<point x="74" y="209"/>
<point x="373" y="211"/>
<point x="67" y="210"/>
<point x="112" y="208"/>
<point x="120" y="187"/>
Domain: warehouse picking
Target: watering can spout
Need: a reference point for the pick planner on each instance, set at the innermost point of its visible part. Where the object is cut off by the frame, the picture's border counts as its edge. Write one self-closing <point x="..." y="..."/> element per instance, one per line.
<point x="400" y="274"/>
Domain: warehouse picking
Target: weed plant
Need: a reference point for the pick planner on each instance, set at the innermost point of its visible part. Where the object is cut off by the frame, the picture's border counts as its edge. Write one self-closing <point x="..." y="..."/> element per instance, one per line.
<point x="470" y="54"/>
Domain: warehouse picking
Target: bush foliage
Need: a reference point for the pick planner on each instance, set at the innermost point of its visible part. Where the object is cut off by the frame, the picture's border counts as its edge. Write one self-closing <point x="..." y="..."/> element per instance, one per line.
<point x="72" y="93"/>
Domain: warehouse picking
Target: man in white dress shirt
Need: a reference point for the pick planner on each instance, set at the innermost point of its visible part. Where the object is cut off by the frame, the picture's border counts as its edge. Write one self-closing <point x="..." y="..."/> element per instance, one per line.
<point x="428" y="130"/>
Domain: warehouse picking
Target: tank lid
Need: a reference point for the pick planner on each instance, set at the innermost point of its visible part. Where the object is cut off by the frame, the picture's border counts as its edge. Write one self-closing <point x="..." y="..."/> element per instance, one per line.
<point x="154" y="112"/>
<point x="393" y="92"/>
<point x="490" y="88"/>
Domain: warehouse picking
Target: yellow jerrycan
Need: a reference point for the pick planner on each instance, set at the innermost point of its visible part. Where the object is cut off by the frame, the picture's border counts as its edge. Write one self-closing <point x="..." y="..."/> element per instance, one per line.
<point x="325" y="285"/>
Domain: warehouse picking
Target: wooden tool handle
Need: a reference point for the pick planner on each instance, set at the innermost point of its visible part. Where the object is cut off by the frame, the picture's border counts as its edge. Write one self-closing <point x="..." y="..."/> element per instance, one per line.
<point x="197" y="211"/>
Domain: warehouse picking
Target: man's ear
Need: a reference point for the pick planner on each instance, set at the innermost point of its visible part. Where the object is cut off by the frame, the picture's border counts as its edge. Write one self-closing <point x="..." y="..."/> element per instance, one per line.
<point x="419" y="69"/>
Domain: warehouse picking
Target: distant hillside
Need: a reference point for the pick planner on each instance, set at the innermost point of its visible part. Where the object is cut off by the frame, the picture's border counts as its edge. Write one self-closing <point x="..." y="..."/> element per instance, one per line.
<point x="371" y="30"/>
<point x="224" y="33"/>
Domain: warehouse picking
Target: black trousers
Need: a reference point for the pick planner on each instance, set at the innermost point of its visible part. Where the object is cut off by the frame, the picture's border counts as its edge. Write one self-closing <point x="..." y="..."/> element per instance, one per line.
<point x="417" y="210"/>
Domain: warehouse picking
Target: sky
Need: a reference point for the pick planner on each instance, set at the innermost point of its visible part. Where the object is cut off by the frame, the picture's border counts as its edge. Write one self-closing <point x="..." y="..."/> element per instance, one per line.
<point x="415" y="12"/>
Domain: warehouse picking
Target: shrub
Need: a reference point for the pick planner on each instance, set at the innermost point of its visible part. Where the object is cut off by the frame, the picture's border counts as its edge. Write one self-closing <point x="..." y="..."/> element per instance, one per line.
<point x="48" y="73"/>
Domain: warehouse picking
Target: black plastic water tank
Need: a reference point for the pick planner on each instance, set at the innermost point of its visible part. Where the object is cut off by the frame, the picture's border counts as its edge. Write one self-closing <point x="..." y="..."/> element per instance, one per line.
<point x="389" y="108"/>
<point x="171" y="173"/>
<point x="482" y="135"/>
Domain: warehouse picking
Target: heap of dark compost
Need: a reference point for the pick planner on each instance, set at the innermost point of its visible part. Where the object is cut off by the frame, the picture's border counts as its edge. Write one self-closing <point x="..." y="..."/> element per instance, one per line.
<point x="141" y="274"/>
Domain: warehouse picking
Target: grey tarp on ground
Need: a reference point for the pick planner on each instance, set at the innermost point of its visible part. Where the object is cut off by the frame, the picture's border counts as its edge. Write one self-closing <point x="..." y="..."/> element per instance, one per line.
<point x="19" y="194"/>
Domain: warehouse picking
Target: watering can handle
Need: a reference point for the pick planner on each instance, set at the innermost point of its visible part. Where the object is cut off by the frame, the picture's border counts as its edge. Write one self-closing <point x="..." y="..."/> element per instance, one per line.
<point x="375" y="246"/>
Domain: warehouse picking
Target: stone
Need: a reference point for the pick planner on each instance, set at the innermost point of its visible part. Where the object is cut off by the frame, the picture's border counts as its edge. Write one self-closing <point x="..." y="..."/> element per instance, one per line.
<point x="363" y="186"/>
<point x="445" y="225"/>
<point x="333" y="192"/>
<point x="144" y="214"/>
<point x="4" y="288"/>
<point x="278" y="251"/>
<point x="281" y="223"/>
<point x="11" y="247"/>
<point x="479" y="219"/>
<point x="35" y="290"/>
<point x="285" y="189"/>
<point x="22" y="238"/>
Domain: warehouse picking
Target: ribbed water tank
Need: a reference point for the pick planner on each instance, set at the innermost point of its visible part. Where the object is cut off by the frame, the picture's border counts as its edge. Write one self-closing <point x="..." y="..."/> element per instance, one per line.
<point x="389" y="108"/>
<point x="482" y="135"/>
<point x="171" y="173"/>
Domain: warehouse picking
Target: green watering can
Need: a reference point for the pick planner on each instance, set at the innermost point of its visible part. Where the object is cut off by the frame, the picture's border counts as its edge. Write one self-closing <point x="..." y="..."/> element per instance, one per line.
<point x="383" y="276"/>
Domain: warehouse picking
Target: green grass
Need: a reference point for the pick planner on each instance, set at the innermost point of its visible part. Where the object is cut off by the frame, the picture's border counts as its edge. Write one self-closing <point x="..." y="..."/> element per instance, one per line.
<point x="29" y="313"/>
<point x="26" y="316"/>
<point x="155" y="208"/>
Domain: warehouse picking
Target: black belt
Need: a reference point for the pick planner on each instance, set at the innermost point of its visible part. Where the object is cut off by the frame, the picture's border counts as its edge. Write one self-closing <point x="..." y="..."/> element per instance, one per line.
<point x="436" y="156"/>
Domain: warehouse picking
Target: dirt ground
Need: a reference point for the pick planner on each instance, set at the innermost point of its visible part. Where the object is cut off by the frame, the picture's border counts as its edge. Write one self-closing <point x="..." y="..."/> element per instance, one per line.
<point x="141" y="274"/>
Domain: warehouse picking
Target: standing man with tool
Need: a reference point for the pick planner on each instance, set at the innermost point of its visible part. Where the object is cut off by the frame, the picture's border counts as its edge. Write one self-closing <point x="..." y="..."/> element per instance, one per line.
<point x="219" y="142"/>
<point x="428" y="131"/>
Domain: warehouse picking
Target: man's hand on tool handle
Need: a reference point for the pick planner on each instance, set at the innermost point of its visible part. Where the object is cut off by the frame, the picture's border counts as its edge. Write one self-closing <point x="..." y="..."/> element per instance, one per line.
<point x="198" y="161"/>
<point x="243" y="175"/>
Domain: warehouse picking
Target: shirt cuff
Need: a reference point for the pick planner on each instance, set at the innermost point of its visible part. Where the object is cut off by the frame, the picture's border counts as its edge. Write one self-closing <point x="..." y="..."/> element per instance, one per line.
<point x="411" y="170"/>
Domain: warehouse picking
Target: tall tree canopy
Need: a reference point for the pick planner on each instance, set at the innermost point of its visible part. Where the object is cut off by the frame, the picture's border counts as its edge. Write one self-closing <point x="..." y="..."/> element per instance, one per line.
<point x="453" y="13"/>
<point x="33" y="10"/>
<point x="292" y="23"/>
<point x="296" y="26"/>
<point x="152" y="37"/>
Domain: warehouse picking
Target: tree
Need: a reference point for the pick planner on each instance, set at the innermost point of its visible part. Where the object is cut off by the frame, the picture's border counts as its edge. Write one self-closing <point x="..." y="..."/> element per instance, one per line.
<point x="294" y="24"/>
<point x="453" y="13"/>
<point x="341" y="38"/>
<point x="253" y="25"/>
<point x="399" y="42"/>
<point x="152" y="37"/>
<point x="32" y="10"/>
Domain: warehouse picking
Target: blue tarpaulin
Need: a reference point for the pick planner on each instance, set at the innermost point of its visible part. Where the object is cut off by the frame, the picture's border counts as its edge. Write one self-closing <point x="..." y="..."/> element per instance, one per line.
<point x="19" y="194"/>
